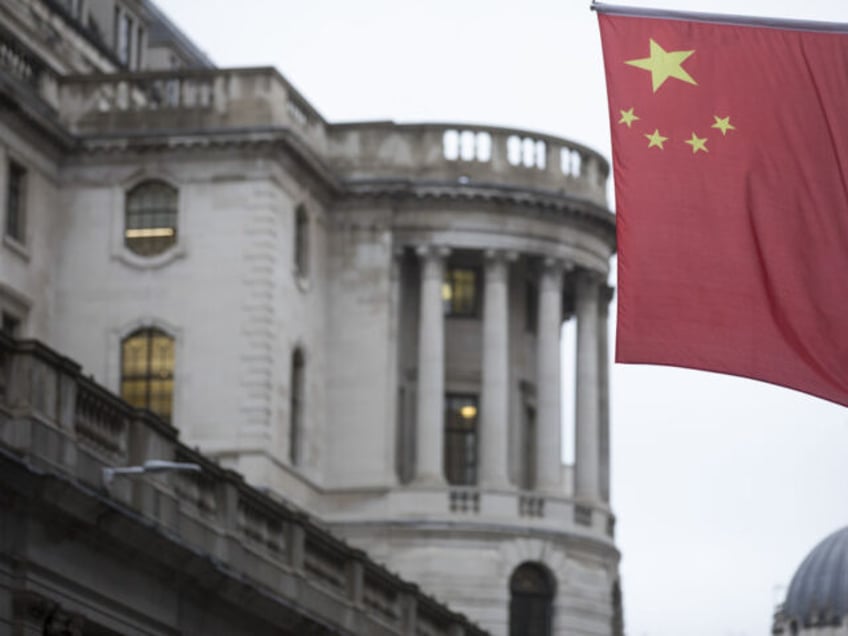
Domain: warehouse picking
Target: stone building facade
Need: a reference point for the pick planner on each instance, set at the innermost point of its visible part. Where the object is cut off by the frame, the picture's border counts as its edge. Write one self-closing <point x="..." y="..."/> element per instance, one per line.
<point x="363" y="318"/>
<point x="88" y="552"/>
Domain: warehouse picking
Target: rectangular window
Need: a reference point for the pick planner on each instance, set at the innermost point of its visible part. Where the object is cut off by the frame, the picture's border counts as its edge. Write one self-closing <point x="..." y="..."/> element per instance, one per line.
<point x="296" y="407"/>
<point x="528" y="449"/>
<point x="139" y="47"/>
<point x="461" y="439"/>
<point x="460" y="292"/>
<point x="16" y="202"/>
<point x="11" y="325"/>
<point x="123" y="36"/>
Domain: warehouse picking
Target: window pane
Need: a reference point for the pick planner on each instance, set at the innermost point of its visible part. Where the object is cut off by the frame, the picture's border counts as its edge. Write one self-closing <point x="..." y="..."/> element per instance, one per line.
<point x="147" y="371"/>
<point x="459" y="292"/>
<point x="150" y="220"/>
<point x="461" y="439"/>
<point x="134" y="359"/>
<point x="135" y="392"/>
<point x="161" y="392"/>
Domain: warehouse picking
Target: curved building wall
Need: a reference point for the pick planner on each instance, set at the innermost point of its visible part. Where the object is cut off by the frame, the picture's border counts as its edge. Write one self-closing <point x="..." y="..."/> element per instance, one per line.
<point x="537" y="240"/>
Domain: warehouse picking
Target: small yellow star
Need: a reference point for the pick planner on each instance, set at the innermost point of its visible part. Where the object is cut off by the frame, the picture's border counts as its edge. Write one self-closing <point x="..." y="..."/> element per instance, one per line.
<point x="664" y="64"/>
<point x="656" y="140"/>
<point x="723" y="124"/>
<point x="697" y="143"/>
<point x="628" y="117"/>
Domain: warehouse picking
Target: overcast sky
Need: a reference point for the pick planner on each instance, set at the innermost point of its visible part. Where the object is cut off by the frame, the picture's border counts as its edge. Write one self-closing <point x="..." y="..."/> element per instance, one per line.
<point x="721" y="485"/>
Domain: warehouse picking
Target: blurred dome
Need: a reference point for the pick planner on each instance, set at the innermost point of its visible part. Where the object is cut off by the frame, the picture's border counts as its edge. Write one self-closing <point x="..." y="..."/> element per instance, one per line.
<point x="818" y="593"/>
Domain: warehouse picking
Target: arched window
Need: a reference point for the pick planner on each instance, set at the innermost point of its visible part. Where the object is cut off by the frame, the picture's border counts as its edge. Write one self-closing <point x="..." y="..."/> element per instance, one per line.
<point x="150" y="218"/>
<point x="147" y="371"/>
<point x="301" y="242"/>
<point x="531" y="590"/>
<point x="296" y="409"/>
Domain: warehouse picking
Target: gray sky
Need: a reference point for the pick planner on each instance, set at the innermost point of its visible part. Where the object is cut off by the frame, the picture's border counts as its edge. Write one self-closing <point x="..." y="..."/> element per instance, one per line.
<point x="721" y="485"/>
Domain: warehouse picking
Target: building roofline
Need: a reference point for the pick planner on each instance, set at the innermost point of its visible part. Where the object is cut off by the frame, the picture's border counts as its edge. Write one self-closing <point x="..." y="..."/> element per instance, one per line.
<point x="161" y="22"/>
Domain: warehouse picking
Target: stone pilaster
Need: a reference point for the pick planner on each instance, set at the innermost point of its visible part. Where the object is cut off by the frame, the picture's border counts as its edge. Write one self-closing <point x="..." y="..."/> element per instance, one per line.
<point x="494" y="407"/>
<point x="431" y="369"/>
<point x="548" y="397"/>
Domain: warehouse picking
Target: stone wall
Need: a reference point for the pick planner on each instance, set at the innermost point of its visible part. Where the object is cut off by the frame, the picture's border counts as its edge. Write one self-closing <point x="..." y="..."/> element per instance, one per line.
<point x="159" y="552"/>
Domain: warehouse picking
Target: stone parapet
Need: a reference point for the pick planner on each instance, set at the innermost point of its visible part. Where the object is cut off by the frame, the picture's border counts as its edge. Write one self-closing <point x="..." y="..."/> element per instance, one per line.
<point x="511" y="510"/>
<point x="247" y="101"/>
<point x="463" y="154"/>
<point x="62" y="428"/>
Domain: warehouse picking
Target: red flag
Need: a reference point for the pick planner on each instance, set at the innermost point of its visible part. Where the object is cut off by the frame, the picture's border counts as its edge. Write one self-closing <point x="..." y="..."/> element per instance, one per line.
<point x="730" y="155"/>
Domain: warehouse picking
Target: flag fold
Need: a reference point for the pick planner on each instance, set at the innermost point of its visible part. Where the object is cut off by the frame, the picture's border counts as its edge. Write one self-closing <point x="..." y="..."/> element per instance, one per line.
<point x="730" y="157"/>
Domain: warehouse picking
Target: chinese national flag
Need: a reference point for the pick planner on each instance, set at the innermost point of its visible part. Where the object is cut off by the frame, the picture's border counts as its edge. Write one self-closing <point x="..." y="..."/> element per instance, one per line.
<point x="730" y="152"/>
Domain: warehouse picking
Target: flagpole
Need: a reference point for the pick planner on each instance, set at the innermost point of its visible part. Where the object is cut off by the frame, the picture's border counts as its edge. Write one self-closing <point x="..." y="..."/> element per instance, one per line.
<point x="718" y="18"/>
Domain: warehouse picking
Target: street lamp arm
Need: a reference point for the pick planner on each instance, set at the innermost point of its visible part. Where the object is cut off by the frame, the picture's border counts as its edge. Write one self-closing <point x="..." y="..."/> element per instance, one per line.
<point x="150" y="466"/>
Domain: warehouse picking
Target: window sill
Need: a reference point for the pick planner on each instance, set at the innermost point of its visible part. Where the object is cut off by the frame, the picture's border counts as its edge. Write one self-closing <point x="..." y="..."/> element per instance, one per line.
<point x="149" y="262"/>
<point x="17" y="247"/>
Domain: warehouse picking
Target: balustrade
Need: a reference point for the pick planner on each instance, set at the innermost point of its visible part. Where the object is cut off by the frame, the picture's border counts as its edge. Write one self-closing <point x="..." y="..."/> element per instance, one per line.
<point x="188" y="100"/>
<point x="207" y="508"/>
<point x="465" y="500"/>
<point x="327" y="564"/>
<point x="381" y="597"/>
<point x="101" y="422"/>
<point x="262" y="529"/>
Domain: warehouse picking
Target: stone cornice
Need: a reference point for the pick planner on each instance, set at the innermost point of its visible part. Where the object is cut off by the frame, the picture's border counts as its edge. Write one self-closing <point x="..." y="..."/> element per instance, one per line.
<point x="269" y="140"/>
<point x="351" y="192"/>
<point x="482" y="530"/>
<point x="543" y="201"/>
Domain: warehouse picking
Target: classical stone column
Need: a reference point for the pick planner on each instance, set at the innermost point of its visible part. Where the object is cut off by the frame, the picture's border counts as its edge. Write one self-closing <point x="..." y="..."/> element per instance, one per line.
<point x="606" y="295"/>
<point x="548" y="404"/>
<point x="587" y="433"/>
<point x="494" y="403"/>
<point x="429" y="425"/>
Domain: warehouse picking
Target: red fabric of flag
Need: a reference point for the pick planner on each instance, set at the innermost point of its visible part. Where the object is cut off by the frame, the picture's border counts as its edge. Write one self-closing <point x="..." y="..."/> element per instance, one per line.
<point x="730" y="155"/>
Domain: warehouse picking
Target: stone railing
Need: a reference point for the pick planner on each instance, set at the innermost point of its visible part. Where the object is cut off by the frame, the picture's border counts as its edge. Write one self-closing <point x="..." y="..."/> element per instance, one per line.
<point x="186" y="101"/>
<point x="467" y="155"/>
<point x="521" y="510"/>
<point x="251" y="100"/>
<point x="63" y="424"/>
<point x="17" y="61"/>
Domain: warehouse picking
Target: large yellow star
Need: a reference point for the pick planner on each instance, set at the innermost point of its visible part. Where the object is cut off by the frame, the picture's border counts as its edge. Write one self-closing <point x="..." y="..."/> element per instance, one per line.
<point x="628" y="117"/>
<point x="723" y="124"/>
<point x="664" y="64"/>
<point x="697" y="143"/>
<point x="656" y="140"/>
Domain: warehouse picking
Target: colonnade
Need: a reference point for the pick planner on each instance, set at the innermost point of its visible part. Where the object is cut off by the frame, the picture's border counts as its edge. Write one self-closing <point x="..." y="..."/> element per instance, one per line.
<point x="591" y="478"/>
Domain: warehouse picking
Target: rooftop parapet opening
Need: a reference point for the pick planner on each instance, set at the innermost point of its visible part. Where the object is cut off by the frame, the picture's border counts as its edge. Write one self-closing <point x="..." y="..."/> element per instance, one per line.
<point x="188" y="101"/>
<point x="467" y="155"/>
